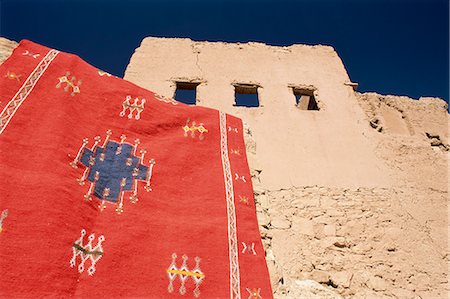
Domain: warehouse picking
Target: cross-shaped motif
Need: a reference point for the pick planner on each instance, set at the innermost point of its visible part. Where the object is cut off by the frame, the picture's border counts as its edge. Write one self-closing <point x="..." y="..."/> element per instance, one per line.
<point x="243" y="199"/>
<point x="112" y="170"/>
<point x="235" y="152"/>
<point x="193" y="128"/>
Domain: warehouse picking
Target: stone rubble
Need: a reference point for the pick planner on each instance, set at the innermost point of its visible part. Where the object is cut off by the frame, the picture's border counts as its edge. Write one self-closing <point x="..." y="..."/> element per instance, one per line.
<point x="362" y="244"/>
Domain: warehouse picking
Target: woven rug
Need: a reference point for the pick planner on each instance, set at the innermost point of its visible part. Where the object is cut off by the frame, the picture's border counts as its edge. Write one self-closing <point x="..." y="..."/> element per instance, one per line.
<point x="110" y="190"/>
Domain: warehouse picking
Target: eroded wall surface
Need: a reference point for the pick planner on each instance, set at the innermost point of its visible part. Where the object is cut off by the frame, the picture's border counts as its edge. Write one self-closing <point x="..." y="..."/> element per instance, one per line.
<point x="6" y="48"/>
<point x="353" y="196"/>
<point x="295" y="147"/>
<point x="387" y="242"/>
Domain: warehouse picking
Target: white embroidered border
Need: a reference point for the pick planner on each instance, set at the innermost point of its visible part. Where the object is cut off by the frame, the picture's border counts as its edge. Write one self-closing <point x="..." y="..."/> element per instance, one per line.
<point x="235" y="287"/>
<point x="21" y="95"/>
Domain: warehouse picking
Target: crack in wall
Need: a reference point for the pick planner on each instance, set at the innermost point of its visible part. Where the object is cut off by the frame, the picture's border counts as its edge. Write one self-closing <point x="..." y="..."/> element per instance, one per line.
<point x="196" y="50"/>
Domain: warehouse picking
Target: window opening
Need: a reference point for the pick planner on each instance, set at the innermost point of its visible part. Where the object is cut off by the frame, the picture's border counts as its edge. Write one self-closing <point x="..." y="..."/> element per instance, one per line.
<point x="246" y="95"/>
<point x="304" y="99"/>
<point x="186" y="92"/>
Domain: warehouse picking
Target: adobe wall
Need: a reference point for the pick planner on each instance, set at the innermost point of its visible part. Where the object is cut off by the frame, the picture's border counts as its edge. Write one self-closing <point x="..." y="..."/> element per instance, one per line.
<point x="387" y="242"/>
<point x="295" y="147"/>
<point x="353" y="196"/>
<point x="6" y="48"/>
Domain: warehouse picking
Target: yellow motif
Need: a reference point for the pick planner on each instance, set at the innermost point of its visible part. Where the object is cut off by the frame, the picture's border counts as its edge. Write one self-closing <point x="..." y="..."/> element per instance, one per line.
<point x="243" y="199"/>
<point x="183" y="273"/>
<point x="194" y="128"/>
<point x="187" y="273"/>
<point x="235" y="151"/>
<point x="70" y="83"/>
<point x="13" y="76"/>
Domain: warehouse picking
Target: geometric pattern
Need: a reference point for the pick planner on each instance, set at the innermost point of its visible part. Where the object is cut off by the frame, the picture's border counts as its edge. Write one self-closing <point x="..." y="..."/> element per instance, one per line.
<point x="254" y="293"/>
<point x="248" y="248"/>
<point x="70" y="84"/>
<point x="133" y="107"/>
<point x="231" y="212"/>
<point x="184" y="273"/>
<point x="113" y="169"/>
<point x="194" y="128"/>
<point x="235" y="152"/>
<point x="165" y="99"/>
<point x="87" y="252"/>
<point x="21" y="95"/>
<point x="244" y="199"/>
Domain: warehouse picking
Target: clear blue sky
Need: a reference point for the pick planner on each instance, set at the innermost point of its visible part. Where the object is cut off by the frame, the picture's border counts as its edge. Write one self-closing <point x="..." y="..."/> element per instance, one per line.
<point x="390" y="46"/>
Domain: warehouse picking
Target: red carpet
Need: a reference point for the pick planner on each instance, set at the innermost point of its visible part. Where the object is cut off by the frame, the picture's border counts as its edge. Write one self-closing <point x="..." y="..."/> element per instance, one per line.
<point x="109" y="190"/>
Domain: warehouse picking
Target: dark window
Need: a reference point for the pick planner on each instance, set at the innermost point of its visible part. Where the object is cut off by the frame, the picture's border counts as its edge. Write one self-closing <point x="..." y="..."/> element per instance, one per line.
<point x="304" y="99"/>
<point x="186" y="92"/>
<point x="246" y="95"/>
